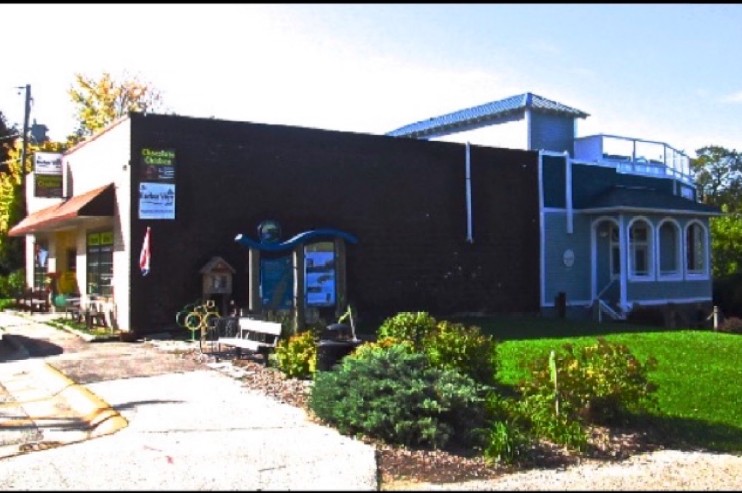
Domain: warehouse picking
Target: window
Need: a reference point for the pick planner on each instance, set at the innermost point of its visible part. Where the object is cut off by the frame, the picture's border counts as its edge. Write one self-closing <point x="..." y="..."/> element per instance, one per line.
<point x="100" y="263"/>
<point x="615" y="252"/>
<point x="695" y="249"/>
<point x="71" y="259"/>
<point x="640" y="252"/>
<point x="40" y="263"/>
<point x="669" y="249"/>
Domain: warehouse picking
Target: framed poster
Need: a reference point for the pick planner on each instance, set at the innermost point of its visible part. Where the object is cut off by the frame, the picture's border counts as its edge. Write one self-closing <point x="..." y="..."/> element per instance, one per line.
<point x="319" y="266"/>
<point x="156" y="183"/>
<point x="156" y="201"/>
<point x="276" y="283"/>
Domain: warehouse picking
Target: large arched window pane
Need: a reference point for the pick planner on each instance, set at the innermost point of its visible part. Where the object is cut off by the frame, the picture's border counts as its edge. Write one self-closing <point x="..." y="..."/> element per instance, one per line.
<point x="640" y="249"/>
<point x="614" y="252"/>
<point x="695" y="249"/>
<point x="669" y="249"/>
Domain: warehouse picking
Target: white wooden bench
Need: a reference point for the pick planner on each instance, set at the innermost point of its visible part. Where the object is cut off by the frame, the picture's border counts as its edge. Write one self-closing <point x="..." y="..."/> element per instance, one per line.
<point x="252" y="336"/>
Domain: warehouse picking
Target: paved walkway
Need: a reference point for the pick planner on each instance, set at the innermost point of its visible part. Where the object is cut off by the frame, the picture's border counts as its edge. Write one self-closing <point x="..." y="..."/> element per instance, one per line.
<point x="185" y="428"/>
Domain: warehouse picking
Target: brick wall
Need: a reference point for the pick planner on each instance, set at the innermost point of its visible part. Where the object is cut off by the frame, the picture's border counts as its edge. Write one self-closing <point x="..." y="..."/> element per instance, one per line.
<point x="404" y="199"/>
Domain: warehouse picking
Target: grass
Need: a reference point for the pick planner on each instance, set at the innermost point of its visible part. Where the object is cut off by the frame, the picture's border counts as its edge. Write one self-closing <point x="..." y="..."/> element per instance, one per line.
<point x="698" y="371"/>
<point x="95" y="331"/>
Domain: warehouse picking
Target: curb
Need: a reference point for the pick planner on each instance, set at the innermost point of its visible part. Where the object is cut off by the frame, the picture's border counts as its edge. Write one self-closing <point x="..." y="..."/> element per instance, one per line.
<point x="101" y="418"/>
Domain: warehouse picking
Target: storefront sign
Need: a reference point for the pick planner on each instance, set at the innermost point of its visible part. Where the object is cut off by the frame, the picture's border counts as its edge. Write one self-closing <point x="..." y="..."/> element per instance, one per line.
<point x="276" y="283"/>
<point x="156" y="201"/>
<point x="156" y="183"/>
<point x="157" y="165"/>
<point x="47" y="175"/>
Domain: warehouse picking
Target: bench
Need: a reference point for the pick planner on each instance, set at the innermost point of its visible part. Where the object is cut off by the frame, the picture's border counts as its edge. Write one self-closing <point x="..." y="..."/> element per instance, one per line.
<point x="33" y="300"/>
<point x="248" y="335"/>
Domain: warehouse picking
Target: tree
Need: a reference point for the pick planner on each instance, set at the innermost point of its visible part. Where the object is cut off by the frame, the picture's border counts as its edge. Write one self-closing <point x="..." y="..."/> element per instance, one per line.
<point x="99" y="102"/>
<point x="12" y="197"/>
<point x="10" y="251"/>
<point x="726" y="243"/>
<point x="718" y="173"/>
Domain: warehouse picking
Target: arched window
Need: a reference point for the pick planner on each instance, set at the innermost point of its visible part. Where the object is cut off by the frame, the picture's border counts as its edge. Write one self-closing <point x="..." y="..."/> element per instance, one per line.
<point x="696" y="250"/>
<point x="614" y="252"/>
<point x="668" y="249"/>
<point x="640" y="249"/>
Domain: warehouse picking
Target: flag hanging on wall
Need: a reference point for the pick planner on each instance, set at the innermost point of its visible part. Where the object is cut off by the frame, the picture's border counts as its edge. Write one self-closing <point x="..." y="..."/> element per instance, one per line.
<point x="144" y="256"/>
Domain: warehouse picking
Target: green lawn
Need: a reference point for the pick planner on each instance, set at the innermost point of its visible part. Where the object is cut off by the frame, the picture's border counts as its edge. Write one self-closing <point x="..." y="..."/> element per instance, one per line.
<point x="699" y="372"/>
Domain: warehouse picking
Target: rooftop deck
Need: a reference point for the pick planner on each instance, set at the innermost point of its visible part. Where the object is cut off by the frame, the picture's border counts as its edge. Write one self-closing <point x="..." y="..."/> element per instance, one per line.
<point x="636" y="156"/>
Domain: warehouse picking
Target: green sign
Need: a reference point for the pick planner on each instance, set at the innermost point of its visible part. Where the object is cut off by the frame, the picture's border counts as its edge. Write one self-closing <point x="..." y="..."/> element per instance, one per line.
<point x="157" y="165"/>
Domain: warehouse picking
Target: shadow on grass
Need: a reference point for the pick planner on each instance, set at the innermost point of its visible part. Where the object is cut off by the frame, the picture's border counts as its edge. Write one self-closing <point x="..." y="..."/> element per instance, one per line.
<point x="509" y="327"/>
<point x="692" y="434"/>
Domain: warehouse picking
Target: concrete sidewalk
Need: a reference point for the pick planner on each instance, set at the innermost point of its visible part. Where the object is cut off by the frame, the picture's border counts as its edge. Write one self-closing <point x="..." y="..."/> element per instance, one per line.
<point x="191" y="430"/>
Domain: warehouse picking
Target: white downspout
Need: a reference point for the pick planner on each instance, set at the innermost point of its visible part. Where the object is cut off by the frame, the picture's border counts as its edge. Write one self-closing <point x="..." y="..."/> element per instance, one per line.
<point x="568" y="192"/>
<point x="623" y="248"/>
<point x="469" y="237"/>
<point x="542" y="233"/>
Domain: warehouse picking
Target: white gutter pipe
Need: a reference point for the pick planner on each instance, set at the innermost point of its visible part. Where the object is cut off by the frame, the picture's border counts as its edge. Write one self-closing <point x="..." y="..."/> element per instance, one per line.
<point x="469" y="237"/>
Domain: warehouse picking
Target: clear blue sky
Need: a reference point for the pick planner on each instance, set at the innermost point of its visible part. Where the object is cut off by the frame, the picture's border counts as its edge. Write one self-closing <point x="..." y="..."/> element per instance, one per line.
<point x="666" y="72"/>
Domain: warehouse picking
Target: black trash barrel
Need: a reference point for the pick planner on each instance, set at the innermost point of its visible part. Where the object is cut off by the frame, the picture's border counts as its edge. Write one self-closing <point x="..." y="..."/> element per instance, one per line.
<point x="337" y="332"/>
<point x="331" y="352"/>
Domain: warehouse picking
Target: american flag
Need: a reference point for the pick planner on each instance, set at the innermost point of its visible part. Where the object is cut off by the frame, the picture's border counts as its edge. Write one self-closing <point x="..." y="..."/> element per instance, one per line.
<point x="144" y="256"/>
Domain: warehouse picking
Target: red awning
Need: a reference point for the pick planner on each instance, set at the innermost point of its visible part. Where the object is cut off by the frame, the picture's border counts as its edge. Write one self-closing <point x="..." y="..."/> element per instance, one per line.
<point x="98" y="202"/>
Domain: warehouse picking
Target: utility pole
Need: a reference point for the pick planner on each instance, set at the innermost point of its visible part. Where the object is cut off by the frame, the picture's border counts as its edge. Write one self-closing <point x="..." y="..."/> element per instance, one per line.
<point x="26" y="113"/>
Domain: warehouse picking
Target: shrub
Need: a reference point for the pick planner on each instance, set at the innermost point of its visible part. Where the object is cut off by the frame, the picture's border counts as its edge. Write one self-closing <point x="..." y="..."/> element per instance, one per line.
<point x="732" y="325"/>
<point x="506" y="440"/>
<point x="453" y="346"/>
<point x="395" y="395"/>
<point x="384" y="343"/>
<point x="536" y="414"/>
<point x="448" y="345"/>
<point x="408" y="326"/>
<point x="12" y="284"/>
<point x="597" y="383"/>
<point x="297" y="356"/>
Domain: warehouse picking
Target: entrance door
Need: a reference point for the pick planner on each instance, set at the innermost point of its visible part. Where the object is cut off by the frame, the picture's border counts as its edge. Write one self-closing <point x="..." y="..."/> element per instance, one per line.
<point x="606" y="261"/>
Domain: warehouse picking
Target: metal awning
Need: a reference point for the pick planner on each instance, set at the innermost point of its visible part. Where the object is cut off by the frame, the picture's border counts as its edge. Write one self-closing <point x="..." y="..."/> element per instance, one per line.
<point x="96" y="203"/>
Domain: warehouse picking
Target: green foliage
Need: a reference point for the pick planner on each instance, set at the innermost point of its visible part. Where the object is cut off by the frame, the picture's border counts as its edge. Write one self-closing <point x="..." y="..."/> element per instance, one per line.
<point x="602" y="382"/>
<point x="12" y="284"/>
<point x="408" y="326"/>
<point x="296" y="356"/>
<point x="717" y="176"/>
<point x="726" y="242"/>
<point x="99" y="102"/>
<point x="454" y="346"/>
<point x="12" y="201"/>
<point x="384" y="343"/>
<point x="448" y="345"/>
<point x="395" y="395"/>
<point x="506" y="440"/>
<point x="506" y="443"/>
